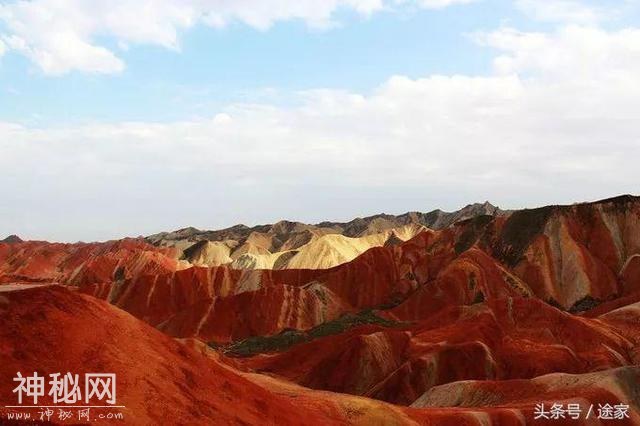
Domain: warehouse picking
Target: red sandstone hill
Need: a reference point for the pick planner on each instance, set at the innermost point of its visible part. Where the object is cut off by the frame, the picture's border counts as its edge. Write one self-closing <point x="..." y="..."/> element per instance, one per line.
<point x="159" y="380"/>
<point x="40" y="261"/>
<point x="501" y="302"/>
<point x="573" y="257"/>
<point x="511" y="338"/>
<point x="163" y="381"/>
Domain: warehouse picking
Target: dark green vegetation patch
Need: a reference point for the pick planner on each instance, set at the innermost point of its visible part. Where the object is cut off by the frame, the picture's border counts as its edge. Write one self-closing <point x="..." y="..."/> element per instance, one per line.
<point x="287" y="338"/>
<point x="585" y="304"/>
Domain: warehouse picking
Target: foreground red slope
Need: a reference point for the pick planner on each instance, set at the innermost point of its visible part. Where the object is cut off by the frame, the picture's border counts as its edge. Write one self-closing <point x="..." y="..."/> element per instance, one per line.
<point x="159" y="380"/>
<point x="163" y="381"/>
<point x="589" y="392"/>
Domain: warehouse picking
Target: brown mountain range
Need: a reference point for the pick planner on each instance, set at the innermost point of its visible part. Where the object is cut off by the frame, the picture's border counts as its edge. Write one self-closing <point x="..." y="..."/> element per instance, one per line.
<point x="295" y="245"/>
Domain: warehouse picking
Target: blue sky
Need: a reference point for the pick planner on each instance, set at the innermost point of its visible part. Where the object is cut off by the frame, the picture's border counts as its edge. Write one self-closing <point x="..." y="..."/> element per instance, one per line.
<point x="239" y="63"/>
<point x="131" y="117"/>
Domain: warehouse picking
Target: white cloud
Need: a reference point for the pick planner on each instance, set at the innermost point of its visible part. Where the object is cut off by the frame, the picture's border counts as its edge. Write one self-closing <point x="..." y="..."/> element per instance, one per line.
<point x="62" y="35"/>
<point x="573" y="52"/>
<point x="439" y="4"/>
<point x="558" y="123"/>
<point x="64" y="51"/>
<point x="563" y="11"/>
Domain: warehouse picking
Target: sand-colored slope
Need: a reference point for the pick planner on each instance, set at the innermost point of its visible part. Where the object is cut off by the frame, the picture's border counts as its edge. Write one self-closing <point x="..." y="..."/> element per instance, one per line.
<point x="332" y="250"/>
<point x="307" y="249"/>
<point x="209" y="253"/>
<point x="253" y="256"/>
<point x="335" y="249"/>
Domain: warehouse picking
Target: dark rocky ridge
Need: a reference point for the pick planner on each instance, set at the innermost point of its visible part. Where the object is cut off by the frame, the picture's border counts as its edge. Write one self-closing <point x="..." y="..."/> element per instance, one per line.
<point x="284" y="230"/>
<point x="12" y="239"/>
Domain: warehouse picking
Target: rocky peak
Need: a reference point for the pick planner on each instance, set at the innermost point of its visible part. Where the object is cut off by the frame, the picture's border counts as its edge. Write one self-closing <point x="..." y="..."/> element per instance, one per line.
<point x="12" y="239"/>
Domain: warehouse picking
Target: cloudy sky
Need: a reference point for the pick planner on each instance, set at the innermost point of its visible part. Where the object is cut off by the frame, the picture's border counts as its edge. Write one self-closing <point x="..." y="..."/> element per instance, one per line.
<point x="129" y="117"/>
